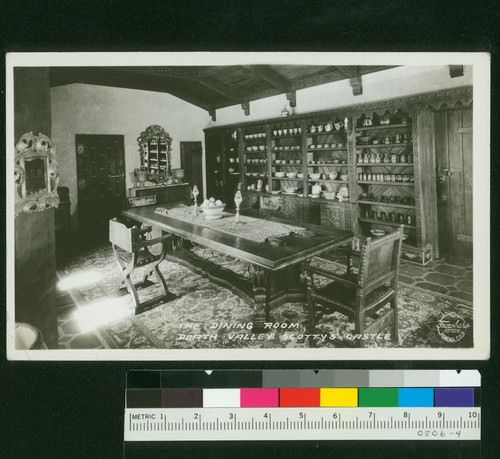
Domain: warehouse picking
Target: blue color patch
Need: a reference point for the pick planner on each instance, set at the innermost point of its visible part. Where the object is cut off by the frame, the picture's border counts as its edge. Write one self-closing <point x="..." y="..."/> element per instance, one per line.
<point x="416" y="397"/>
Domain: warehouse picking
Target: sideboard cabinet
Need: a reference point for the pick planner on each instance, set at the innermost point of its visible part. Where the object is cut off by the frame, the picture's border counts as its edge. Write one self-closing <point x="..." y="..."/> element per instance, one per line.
<point x="378" y="157"/>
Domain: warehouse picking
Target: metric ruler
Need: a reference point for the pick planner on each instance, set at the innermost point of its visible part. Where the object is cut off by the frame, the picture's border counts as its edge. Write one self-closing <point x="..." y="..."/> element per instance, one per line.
<point x="208" y="424"/>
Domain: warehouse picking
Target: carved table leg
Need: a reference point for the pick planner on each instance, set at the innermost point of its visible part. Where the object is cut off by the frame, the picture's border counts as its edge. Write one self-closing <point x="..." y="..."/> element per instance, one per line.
<point x="260" y="284"/>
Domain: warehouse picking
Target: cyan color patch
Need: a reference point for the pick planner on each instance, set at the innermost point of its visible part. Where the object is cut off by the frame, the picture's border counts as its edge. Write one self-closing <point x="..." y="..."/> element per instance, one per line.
<point x="416" y="397"/>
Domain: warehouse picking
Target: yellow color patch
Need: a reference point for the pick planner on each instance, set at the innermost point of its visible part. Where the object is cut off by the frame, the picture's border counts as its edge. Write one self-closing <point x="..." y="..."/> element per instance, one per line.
<point x="339" y="397"/>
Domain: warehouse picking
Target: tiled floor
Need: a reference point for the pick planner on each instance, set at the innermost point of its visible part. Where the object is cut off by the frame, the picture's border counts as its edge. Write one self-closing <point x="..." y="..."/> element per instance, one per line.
<point x="70" y="335"/>
<point x="453" y="278"/>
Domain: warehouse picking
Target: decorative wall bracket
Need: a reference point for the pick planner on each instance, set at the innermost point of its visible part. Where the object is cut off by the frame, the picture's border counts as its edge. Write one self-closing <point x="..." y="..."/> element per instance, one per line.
<point x="356" y="85"/>
<point x="246" y="107"/>
<point x="36" y="174"/>
<point x="456" y="71"/>
<point x="292" y="98"/>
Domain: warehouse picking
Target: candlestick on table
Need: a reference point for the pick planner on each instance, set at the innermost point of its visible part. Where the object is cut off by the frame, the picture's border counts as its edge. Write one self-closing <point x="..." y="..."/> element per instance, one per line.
<point x="195" y="194"/>
<point x="238" y="199"/>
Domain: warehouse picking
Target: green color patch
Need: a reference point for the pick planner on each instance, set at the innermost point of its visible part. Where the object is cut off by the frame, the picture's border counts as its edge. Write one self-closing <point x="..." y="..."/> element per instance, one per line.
<point x="378" y="397"/>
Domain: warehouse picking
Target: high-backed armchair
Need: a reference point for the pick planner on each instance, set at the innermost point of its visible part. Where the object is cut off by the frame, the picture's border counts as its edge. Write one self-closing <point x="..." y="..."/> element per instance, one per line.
<point x="136" y="253"/>
<point x="362" y="297"/>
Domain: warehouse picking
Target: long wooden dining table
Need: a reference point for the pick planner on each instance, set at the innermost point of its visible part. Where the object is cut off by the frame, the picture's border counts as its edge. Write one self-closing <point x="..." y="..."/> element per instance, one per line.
<point x="274" y="270"/>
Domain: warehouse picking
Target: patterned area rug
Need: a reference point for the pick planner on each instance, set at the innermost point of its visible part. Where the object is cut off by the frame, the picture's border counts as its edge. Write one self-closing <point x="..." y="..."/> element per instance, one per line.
<point x="205" y="315"/>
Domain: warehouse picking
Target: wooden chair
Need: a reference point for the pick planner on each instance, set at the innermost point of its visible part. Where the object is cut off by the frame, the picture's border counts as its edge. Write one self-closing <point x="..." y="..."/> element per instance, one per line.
<point x="361" y="296"/>
<point x="136" y="253"/>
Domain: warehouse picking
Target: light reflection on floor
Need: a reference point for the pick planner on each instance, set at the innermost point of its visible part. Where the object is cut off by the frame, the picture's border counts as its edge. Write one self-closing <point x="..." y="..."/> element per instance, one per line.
<point x="102" y="312"/>
<point x="78" y="280"/>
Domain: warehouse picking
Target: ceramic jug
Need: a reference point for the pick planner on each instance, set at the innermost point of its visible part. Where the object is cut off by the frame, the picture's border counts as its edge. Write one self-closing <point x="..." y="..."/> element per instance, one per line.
<point x="339" y="125"/>
<point x="259" y="185"/>
<point x="316" y="189"/>
<point x="328" y="127"/>
<point x="368" y="121"/>
<point x="344" y="191"/>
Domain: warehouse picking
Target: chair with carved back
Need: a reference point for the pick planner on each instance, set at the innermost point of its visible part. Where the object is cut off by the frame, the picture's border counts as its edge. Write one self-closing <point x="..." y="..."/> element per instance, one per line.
<point x="137" y="251"/>
<point x="362" y="297"/>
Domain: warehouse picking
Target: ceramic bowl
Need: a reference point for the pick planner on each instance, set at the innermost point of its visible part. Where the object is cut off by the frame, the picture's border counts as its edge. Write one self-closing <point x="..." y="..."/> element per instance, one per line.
<point x="255" y="148"/>
<point x="315" y="176"/>
<point x="280" y="174"/>
<point x="364" y="138"/>
<point x="329" y="195"/>
<point x="262" y="147"/>
<point x="311" y="147"/>
<point x="248" y="148"/>
<point x="300" y="175"/>
<point x="377" y="232"/>
<point x="212" y="210"/>
<point x="290" y="189"/>
<point x="291" y="174"/>
<point x="343" y="177"/>
<point x="332" y="175"/>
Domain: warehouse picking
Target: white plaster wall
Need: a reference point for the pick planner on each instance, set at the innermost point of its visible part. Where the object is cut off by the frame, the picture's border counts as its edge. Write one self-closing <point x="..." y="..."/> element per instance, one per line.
<point x="90" y="109"/>
<point x="387" y="84"/>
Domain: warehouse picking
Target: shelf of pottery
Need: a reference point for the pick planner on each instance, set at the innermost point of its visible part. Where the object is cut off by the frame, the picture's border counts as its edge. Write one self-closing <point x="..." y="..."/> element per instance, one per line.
<point x="231" y="165"/>
<point x="155" y="155"/>
<point x="287" y="166"/>
<point x="385" y="175"/>
<point x="255" y="158"/>
<point x="326" y="156"/>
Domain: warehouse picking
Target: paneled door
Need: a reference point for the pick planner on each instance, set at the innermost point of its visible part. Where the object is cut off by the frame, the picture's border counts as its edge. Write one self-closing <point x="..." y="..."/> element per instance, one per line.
<point x="454" y="182"/>
<point x="101" y="184"/>
<point x="191" y="162"/>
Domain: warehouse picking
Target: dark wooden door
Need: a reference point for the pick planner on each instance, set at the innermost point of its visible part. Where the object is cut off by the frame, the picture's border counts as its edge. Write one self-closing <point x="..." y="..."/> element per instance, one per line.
<point x="454" y="182"/>
<point x="191" y="162"/>
<point x="101" y="184"/>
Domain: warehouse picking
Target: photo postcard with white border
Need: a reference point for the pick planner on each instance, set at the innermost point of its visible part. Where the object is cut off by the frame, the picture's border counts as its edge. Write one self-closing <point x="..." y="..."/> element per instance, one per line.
<point x="364" y="224"/>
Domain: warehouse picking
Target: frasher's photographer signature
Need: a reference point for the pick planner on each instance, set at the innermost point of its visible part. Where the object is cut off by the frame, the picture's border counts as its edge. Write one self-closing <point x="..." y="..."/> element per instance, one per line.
<point x="452" y="327"/>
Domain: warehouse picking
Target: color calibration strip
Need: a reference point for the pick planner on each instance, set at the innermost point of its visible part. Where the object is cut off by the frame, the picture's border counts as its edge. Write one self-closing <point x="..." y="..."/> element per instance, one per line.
<point x="301" y="388"/>
<point x="300" y="397"/>
<point x="279" y="405"/>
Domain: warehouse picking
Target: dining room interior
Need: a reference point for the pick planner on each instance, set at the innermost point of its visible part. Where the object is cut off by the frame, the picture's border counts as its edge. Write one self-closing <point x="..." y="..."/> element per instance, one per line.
<point x="244" y="206"/>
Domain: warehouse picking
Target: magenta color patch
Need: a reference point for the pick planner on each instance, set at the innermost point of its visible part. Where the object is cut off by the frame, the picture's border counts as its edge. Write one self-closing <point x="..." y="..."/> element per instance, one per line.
<point x="259" y="398"/>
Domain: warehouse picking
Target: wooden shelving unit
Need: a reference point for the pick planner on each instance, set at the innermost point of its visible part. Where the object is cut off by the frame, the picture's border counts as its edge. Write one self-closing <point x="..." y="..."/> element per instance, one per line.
<point x="403" y="146"/>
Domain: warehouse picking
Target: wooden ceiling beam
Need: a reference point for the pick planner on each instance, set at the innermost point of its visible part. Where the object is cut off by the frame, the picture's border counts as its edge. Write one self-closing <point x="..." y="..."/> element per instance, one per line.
<point x="223" y="89"/>
<point x="267" y="73"/>
<point x="206" y="71"/>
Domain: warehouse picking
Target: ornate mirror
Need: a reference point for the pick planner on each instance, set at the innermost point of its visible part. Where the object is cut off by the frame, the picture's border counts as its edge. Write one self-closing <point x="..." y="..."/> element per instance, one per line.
<point x="36" y="174"/>
<point x="155" y="152"/>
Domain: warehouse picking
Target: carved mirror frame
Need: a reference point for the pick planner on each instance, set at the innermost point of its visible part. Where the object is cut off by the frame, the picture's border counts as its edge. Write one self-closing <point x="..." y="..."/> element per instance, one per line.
<point x="36" y="174"/>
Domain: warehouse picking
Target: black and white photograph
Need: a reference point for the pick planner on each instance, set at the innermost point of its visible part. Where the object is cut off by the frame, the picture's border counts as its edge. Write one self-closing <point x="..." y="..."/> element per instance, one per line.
<point x="248" y="206"/>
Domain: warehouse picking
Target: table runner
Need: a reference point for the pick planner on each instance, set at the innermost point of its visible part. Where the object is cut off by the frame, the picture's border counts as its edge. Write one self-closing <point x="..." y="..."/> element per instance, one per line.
<point x="254" y="229"/>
